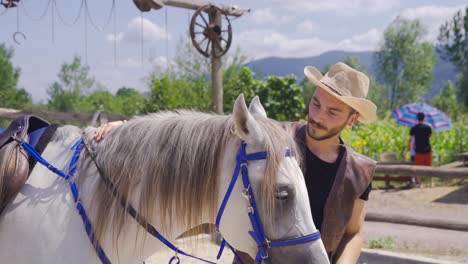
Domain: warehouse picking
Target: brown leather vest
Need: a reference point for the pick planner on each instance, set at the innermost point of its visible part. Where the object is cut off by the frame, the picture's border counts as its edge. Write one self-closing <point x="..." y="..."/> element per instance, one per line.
<point x="354" y="174"/>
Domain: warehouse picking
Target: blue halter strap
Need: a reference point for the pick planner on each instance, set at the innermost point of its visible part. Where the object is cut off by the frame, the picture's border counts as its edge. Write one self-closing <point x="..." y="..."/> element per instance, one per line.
<point x="258" y="234"/>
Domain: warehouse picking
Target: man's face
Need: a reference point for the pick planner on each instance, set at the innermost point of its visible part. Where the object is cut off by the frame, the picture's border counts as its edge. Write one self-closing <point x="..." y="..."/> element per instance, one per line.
<point x="327" y="116"/>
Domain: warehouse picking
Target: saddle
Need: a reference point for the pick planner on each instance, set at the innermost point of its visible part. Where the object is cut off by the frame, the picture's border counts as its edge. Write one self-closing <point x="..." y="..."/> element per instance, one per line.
<point x="14" y="160"/>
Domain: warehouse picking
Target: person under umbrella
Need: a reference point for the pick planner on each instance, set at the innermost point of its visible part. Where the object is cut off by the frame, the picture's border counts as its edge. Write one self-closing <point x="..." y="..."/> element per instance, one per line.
<point x="422" y="146"/>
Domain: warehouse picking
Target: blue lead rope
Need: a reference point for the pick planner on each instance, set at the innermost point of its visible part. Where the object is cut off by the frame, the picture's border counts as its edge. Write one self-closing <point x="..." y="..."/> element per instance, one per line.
<point x="74" y="190"/>
<point x="79" y="206"/>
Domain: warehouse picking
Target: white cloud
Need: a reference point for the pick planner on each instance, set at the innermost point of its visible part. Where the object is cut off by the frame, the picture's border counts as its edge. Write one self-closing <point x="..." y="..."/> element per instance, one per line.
<point x="431" y="17"/>
<point x="306" y="26"/>
<point x="262" y="16"/>
<point x="264" y="43"/>
<point x="267" y="16"/>
<point x="348" y="7"/>
<point x="151" y="32"/>
<point x="369" y="40"/>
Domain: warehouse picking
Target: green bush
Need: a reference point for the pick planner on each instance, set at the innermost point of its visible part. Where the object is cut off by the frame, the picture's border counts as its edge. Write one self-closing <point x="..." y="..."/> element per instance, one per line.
<point x="387" y="136"/>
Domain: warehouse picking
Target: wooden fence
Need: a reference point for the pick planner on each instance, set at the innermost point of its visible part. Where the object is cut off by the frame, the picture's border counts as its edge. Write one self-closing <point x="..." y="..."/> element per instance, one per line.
<point x="92" y="119"/>
<point x="391" y="171"/>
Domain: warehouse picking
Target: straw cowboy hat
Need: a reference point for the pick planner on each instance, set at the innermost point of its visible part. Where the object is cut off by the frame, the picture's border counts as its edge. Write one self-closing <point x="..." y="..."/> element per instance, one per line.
<point x="347" y="85"/>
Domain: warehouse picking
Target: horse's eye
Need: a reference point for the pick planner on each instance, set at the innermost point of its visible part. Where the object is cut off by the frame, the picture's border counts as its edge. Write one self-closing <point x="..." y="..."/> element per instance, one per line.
<point x="282" y="195"/>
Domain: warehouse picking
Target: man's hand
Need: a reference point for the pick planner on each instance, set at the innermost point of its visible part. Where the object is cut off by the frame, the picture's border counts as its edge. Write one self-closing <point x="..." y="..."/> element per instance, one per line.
<point x="105" y="129"/>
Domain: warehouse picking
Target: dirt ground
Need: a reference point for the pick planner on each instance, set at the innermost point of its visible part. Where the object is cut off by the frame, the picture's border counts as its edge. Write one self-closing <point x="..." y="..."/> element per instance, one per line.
<point x="439" y="203"/>
<point x="450" y="203"/>
<point x="448" y="246"/>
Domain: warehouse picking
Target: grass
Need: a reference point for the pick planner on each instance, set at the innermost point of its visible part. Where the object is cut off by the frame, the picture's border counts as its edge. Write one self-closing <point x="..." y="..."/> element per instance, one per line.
<point x="387" y="242"/>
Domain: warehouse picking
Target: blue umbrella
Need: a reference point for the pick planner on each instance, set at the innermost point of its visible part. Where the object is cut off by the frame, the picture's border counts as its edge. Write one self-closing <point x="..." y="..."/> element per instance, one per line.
<point x="407" y="116"/>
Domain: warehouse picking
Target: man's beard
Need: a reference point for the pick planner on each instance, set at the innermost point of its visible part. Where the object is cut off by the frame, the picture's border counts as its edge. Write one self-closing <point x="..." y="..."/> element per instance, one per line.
<point x="330" y="132"/>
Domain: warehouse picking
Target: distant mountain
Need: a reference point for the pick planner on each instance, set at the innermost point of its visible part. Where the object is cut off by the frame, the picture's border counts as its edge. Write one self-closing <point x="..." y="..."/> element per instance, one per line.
<point x="443" y="71"/>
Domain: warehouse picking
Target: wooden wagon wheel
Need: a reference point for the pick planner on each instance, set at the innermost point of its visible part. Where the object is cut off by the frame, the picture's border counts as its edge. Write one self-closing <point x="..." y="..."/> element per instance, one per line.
<point x="206" y="34"/>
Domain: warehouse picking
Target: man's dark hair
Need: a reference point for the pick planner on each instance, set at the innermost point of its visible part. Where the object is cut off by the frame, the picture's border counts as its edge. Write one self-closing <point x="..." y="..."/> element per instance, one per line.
<point x="421" y="116"/>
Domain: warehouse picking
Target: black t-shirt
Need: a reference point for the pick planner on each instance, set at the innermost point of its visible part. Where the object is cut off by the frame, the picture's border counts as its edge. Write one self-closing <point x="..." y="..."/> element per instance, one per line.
<point x="421" y="133"/>
<point x="319" y="178"/>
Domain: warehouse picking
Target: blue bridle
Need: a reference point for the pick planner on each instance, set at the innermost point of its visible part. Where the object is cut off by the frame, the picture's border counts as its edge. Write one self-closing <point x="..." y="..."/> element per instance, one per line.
<point x="258" y="234"/>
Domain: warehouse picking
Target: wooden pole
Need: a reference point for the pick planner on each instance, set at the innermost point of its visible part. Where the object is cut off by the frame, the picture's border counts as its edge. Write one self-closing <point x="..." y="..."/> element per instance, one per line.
<point x="216" y="73"/>
<point x="147" y="5"/>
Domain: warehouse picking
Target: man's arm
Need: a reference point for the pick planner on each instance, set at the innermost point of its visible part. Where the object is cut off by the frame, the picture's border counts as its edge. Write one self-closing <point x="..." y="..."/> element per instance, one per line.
<point x="351" y="244"/>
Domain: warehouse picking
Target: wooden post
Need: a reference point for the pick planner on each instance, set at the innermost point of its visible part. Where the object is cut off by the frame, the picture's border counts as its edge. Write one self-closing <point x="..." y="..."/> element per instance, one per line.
<point x="214" y="18"/>
<point x="216" y="73"/>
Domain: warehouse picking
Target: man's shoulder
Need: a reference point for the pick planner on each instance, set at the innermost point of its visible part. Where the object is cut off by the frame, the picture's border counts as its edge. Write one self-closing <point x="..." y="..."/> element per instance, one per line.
<point x="427" y="126"/>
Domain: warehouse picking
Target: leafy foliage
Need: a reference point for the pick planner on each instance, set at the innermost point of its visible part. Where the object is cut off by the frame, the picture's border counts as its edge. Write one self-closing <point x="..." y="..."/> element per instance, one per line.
<point x="131" y="101"/>
<point x="281" y="96"/>
<point x="446" y="101"/>
<point x="10" y="95"/>
<point x="68" y="94"/>
<point x="170" y="92"/>
<point x="405" y="62"/>
<point x="387" y="136"/>
<point x="453" y="41"/>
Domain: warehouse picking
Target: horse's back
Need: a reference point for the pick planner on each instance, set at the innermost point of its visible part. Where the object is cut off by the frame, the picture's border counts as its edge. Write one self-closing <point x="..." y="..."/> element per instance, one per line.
<point x="41" y="224"/>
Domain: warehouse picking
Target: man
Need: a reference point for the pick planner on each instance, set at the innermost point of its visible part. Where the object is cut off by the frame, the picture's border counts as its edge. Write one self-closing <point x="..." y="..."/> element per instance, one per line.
<point x="421" y="133"/>
<point x="338" y="179"/>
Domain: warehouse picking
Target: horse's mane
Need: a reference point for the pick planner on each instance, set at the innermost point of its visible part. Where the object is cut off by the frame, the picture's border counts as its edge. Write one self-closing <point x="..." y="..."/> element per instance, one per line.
<point x="170" y="162"/>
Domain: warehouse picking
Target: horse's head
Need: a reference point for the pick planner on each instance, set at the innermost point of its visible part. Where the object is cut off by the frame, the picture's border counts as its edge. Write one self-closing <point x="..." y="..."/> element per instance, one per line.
<point x="278" y="188"/>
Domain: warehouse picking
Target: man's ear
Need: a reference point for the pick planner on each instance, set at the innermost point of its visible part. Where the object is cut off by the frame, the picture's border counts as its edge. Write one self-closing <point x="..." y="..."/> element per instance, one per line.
<point x="352" y="120"/>
<point x="246" y="127"/>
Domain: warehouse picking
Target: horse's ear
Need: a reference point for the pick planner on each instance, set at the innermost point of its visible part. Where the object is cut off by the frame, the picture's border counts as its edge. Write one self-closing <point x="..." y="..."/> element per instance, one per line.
<point x="246" y="126"/>
<point x="256" y="107"/>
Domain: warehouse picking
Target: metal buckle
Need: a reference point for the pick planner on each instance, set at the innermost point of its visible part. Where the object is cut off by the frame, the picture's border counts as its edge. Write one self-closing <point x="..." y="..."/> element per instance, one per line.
<point x="267" y="243"/>
<point x="250" y="209"/>
<point x="15" y="138"/>
<point x="246" y="194"/>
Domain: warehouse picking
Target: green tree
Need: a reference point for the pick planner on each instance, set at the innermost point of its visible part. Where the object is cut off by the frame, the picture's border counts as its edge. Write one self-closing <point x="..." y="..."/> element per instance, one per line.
<point x="308" y="90"/>
<point x="10" y="95"/>
<point x="69" y="93"/>
<point x="132" y="102"/>
<point x="102" y="100"/>
<point x="453" y="46"/>
<point x="238" y="80"/>
<point x="282" y="97"/>
<point x="446" y="101"/>
<point x="405" y="62"/>
<point x="171" y="92"/>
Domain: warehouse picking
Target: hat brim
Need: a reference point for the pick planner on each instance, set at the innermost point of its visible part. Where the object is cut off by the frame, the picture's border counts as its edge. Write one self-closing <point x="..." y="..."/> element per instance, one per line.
<point x="367" y="110"/>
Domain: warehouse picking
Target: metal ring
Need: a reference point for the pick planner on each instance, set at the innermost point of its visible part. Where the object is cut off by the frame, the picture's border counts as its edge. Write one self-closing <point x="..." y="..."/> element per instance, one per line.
<point x="174" y="258"/>
<point x="18" y="33"/>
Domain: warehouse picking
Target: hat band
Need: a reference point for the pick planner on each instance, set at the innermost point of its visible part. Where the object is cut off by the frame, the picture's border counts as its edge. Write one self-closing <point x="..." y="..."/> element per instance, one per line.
<point x="338" y="92"/>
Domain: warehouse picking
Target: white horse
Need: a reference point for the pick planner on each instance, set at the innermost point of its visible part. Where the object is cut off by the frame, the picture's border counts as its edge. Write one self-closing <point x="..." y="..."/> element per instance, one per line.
<point x="174" y="168"/>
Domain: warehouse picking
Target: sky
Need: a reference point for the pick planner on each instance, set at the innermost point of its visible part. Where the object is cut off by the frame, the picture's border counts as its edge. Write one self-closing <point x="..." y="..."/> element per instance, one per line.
<point x="124" y="51"/>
